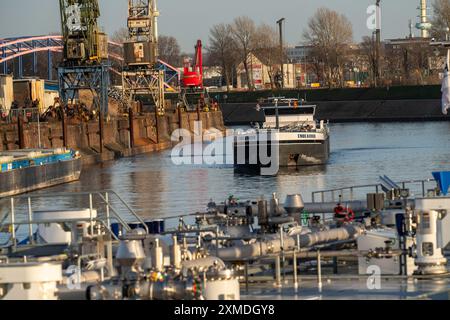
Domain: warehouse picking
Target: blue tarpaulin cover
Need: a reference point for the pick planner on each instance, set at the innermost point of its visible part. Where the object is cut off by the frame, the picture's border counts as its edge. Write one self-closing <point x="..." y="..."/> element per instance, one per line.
<point x="443" y="179"/>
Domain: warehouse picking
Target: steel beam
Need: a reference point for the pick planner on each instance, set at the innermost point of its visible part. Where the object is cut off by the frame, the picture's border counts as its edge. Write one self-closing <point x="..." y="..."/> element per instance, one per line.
<point x="13" y="48"/>
<point x="50" y="64"/>
<point x="145" y="82"/>
<point x="94" y="78"/>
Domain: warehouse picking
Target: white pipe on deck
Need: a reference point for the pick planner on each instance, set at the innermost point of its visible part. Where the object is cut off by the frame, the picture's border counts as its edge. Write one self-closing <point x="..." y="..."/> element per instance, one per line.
<point x="272" y="244"/>
<point x="204" y="263"/>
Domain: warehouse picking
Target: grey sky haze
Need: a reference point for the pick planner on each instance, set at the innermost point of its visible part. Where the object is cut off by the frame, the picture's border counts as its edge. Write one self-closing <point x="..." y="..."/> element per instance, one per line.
<point x="189" y="20"/>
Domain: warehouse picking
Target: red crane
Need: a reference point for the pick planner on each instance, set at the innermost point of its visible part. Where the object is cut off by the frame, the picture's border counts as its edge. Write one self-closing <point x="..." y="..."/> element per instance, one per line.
<point x="193" y="95"/>
<point x="193" y="75"/>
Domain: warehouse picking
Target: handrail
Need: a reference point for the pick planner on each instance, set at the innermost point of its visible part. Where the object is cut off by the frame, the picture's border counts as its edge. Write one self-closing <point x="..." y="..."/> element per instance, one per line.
<point x="62" y="194"/>
<point x="24" y="223"/>
<point x="377" y="187"/>
<point x="373" y="185"/>
<point x="18" y="224"/>
<point x="112" y="213"/>
<point x="109" y="230"/>
<point x="135" y="215"/>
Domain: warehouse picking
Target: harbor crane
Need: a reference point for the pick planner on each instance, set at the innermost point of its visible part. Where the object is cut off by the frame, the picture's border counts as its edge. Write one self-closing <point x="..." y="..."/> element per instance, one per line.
<point x="193" y="75"/>
<point x="193" y="94"/>
<point x="141" y="75"/>
<point x="85" y="54"/>
<point x="83" y="41"/>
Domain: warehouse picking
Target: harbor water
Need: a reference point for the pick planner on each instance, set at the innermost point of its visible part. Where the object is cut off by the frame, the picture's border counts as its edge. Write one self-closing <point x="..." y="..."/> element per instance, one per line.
<point x="360" y="153"/>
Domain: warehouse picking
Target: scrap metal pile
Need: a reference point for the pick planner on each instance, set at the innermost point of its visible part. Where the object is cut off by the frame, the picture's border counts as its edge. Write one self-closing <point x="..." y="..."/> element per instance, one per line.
<point x="79" y="112"/>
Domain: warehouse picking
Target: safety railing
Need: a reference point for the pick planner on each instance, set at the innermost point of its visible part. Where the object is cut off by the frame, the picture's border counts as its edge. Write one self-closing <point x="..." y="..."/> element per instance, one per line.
<point x="416" y="188"/>
<point x="109" y="205"/>
<point x="10" y="116"/>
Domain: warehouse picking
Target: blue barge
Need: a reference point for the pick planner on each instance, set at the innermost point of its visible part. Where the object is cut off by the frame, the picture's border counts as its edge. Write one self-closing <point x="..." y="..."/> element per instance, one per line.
<point x="24" y="171"/>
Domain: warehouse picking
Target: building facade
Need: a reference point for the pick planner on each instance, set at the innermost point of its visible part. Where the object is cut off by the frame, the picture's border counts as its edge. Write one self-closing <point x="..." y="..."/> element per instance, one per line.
<point x="412" y="61"/>
<point x="266" y="76"/>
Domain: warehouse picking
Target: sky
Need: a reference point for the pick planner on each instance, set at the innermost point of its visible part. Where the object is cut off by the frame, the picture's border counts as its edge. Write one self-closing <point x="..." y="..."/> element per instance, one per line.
<point x="189" y="20"/>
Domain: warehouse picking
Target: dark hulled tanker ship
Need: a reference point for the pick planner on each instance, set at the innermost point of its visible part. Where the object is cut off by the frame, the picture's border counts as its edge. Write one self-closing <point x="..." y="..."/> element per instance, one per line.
<point x="298" y="138"/>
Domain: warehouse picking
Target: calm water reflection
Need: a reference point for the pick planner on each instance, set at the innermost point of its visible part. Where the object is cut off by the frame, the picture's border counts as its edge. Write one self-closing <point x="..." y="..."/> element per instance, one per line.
<point x="360" y="153"/>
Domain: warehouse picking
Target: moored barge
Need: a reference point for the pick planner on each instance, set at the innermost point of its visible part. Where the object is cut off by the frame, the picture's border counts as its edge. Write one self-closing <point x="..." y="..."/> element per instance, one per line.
<point x="24" y="171"/>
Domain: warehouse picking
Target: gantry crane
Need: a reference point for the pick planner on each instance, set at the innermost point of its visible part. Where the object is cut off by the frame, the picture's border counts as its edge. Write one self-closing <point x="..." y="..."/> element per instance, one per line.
<point x="140" y="75"/>
<point x="84" y="66"/>
<point x="83" y="41"/>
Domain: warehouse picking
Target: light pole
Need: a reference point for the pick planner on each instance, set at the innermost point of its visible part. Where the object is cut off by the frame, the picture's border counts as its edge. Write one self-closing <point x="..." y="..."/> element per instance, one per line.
<point x="280" y="25"/>
<point x="304" y="70"/>
<point x="378" y="44"/>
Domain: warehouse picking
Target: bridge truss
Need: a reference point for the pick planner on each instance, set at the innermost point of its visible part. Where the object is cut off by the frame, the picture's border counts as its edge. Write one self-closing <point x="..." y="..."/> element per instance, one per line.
<point x="18" y="48"/>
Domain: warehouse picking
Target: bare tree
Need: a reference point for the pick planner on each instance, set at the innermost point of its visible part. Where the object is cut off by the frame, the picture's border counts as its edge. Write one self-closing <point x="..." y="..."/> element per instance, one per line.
<point x="266" y="48"/>
<point x="244" y="29"/>
<point x="330" y="33"/>
<point x="120" y="36"/>
<point x="222" y="50"/>
<point x="441" y="20"/>
<point x="169" y="50"/>
<point x="368" y="47"/>
<point x="412" y="63"/>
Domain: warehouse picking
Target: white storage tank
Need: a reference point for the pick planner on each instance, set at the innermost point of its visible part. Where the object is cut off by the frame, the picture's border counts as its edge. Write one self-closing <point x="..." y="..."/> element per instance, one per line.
<point x="222" y="285"/>
<point x="373" y="239"/>
<point x="29" y="281"/>
<point x="63" y="227"/>
<point x="222" y="289"/>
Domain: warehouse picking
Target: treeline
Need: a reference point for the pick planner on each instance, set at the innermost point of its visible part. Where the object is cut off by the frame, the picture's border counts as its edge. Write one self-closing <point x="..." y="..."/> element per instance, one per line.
<point x="328" y="37"/>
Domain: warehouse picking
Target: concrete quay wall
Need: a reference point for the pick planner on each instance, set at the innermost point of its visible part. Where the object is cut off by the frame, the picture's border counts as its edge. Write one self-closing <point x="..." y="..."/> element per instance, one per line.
<point x="148" y="134"/>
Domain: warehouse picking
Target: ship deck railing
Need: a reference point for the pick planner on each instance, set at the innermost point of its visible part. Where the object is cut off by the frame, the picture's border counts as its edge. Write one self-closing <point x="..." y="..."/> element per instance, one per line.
<point x="110" y="208"/>
<point x="418" y="188"/>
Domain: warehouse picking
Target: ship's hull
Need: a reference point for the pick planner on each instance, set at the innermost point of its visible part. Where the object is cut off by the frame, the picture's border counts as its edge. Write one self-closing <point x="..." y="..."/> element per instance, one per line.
<point x="290" y="154"/>
<point x="33" y="178"/>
